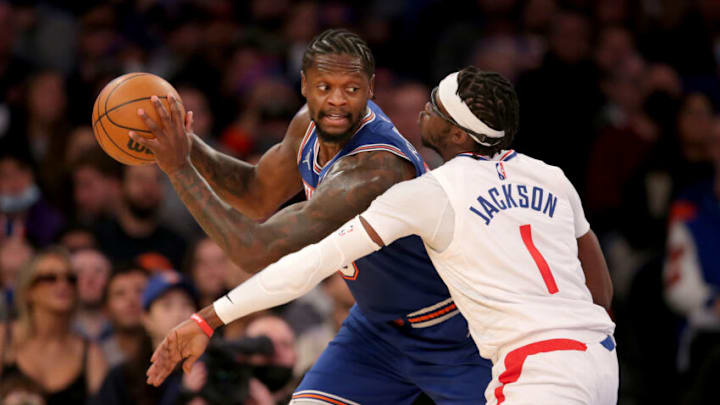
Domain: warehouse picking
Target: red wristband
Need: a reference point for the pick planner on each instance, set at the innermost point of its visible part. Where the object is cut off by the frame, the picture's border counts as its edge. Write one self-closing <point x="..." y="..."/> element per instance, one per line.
<point x="203" y="325"/>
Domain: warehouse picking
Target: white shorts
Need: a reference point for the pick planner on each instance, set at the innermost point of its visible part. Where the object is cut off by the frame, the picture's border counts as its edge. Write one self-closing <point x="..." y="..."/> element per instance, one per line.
<point x="556" y="371"/>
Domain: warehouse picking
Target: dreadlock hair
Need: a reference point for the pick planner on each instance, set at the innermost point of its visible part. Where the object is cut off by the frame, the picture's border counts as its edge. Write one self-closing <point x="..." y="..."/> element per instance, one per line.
<point x="491" y="97"/>
<point x="339" y="42"/>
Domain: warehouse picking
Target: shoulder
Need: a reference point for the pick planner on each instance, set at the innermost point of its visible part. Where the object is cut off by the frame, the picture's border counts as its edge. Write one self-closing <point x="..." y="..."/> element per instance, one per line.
<point x="299" y="124"/>
<point x="372" y="164"/>
<point x="354" y="181"/>
<point x="548" y="173"/>
<point x="537" y="163"/>
<point x="376" y="123"/>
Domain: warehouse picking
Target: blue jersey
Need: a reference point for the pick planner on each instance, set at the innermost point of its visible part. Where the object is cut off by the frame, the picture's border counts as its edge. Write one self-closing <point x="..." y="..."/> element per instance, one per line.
<point x="703" y="222"/>
<point x="398" y="282"/>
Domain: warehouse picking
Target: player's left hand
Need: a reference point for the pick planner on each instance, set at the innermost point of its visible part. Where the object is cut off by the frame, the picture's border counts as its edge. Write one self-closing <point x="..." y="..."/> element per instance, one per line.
<point x="173" y="137"/>
<point x="185" y="341"/>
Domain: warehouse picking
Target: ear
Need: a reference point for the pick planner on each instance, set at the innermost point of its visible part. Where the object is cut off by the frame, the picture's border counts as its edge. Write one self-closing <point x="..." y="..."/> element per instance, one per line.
<point x="372" y="87"/>
<point x="303" y="84"/>
<point x="458" y="136"/>
<point x="461" y="138"/>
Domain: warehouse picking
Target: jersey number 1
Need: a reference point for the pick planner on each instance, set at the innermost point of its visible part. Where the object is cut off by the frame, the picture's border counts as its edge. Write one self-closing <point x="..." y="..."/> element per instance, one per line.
<point x="526" y="233"/>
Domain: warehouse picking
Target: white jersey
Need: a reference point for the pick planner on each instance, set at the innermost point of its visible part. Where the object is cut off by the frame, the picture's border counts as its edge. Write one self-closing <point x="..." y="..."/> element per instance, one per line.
<point x="508" y="249"/>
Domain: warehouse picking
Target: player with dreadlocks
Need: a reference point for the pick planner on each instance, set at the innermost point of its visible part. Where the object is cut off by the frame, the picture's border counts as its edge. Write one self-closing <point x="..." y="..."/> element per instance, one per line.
<point x="405" y="334"/>
<point x="506" y="232"/>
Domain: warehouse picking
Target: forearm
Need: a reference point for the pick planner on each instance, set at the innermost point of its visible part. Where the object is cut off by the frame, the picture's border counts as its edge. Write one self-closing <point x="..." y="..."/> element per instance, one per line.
<point x="231" y="230"/>
<point x="597" y="276"/>
<point x="229" y="177"/>
<point x="296" y="274"/>
<point x="249" y="244"/>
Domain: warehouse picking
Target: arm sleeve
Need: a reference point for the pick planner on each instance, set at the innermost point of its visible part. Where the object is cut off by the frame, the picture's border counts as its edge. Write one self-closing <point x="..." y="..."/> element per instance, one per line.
<point x="582" y="226"/>
<point x="296" y="273"/>
<point x="416" y="207"/>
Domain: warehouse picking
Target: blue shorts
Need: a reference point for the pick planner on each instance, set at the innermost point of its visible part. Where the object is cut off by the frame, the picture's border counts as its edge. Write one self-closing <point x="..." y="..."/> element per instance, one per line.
<point x="369" y="363"/>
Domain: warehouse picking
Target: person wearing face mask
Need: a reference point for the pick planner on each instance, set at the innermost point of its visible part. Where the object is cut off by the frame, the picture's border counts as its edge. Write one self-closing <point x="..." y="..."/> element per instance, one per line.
<point x="22" y="206"/>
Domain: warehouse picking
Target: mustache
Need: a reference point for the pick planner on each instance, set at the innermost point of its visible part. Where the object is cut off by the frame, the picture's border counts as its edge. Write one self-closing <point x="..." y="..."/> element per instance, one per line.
<point x="322" y="114"/>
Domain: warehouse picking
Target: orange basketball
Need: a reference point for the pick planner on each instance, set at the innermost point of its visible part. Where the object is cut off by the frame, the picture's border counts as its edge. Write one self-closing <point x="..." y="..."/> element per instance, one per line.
<point x="115" y="114"/>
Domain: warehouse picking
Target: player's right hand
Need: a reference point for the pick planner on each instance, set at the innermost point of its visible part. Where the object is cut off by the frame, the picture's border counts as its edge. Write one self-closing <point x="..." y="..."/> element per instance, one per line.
<point x="185" y="341"/>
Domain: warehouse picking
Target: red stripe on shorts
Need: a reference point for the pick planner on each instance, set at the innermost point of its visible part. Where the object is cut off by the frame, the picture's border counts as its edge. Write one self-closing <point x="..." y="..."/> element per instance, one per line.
<point x="515" y="359"/>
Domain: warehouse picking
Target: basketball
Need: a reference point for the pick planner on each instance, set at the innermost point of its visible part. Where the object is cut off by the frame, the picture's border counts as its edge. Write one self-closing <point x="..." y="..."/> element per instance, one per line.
<point x="115" y="114"/>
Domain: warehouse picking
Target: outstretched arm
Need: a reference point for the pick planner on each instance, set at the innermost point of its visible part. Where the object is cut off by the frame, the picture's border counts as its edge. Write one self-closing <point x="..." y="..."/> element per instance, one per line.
<point x="297" y="273"/>
<point x="347" y="190"/>
<point x="281" y="282"/>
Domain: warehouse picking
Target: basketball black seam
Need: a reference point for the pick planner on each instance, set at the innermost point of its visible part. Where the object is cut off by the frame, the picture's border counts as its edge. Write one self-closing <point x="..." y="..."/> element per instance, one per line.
<point x="107" y="112"/>
<point x="108" y="98"/>
<point x="118" y="85"/>
<point x="118" y="147"/>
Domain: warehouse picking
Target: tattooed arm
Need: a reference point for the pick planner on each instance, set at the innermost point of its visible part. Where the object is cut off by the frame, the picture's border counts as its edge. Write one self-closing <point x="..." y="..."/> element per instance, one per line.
<point x="347" y="190"/>
<point x="255" y="190"/>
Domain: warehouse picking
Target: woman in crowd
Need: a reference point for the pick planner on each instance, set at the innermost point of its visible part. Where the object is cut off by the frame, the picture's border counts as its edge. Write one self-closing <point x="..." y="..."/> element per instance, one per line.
<point x="41" y="345"/>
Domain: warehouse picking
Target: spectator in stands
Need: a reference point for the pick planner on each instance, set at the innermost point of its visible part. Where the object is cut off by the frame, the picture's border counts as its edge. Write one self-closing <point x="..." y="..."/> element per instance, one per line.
<point x="137" y="229"/>
<point x="15" y="251"/>
<point x="211" y="271"/>
<point x="96" y="182"/>
<point x="122" y="301"/>
<point x="92" y="268"/>
<point x="41" y="344"/>
<point x="22" y="203"/>
<point x="77" y="237"/>
<point x="692" y="265"/>
<point x="167" y="300"/>
<point x="276" y="375"/>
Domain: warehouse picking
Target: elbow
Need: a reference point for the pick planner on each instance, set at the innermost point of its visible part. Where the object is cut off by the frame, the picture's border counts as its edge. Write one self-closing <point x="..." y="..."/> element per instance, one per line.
<point x="246" y="264"/>
<point x="256" y="209"/>
<point x="605" y="300"/>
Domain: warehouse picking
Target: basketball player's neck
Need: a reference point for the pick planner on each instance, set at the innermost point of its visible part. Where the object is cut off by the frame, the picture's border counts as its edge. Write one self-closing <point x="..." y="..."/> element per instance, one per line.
<point x="328" y="150"/>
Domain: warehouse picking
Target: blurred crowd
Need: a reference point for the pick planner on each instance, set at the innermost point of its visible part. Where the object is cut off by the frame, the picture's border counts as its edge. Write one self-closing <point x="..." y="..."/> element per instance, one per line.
<point x="98" y="261"/>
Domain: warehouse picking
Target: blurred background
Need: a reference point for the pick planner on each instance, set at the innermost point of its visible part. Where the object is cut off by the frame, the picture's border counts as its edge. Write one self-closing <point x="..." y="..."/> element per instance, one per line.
<point x="621" y="94"/>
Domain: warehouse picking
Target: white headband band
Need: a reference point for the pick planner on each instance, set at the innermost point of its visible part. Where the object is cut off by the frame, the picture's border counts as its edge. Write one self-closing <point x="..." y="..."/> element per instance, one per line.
<point x="460" y="112"/>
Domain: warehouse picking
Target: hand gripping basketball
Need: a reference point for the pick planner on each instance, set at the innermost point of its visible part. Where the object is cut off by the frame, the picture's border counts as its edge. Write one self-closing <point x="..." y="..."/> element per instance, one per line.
<point x="173" y="141"/>
<point x="115" y="113"/>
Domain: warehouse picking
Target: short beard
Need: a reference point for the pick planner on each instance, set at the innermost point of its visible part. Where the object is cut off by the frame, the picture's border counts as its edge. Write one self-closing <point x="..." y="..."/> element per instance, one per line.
<point x="142" y="212"/>
<point x="341" y="138"/>
<point x="328" y="138"/>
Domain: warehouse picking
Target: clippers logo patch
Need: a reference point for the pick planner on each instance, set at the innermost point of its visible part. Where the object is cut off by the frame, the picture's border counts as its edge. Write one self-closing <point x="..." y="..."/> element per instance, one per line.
<point x="500" y="170"/>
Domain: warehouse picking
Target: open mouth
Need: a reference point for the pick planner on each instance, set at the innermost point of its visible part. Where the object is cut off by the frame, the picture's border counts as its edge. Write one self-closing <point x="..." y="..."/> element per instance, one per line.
<point x="336" y="119"/>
